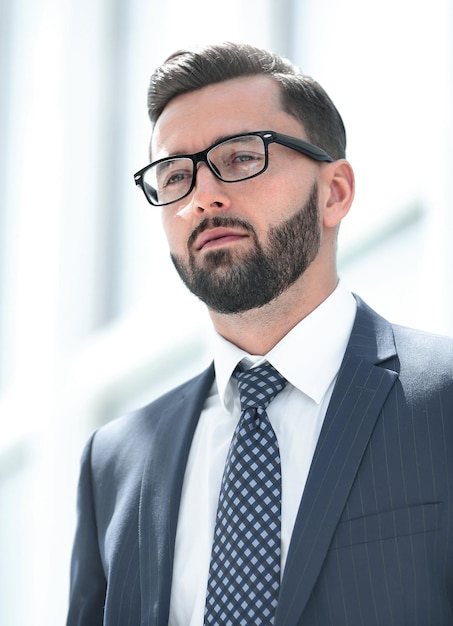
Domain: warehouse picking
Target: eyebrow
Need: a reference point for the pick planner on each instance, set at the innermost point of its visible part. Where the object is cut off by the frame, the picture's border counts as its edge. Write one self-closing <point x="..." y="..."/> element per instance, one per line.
<point x="219" y="138"/>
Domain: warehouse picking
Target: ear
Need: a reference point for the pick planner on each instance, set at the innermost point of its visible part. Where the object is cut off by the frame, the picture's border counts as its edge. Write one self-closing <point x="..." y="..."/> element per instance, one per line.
<point x="339" y="186"/>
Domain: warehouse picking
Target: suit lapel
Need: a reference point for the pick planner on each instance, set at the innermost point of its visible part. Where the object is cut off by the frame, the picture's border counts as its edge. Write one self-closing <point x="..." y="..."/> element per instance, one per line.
<point x="161" y="488"/>
<point x="362" y="386"/>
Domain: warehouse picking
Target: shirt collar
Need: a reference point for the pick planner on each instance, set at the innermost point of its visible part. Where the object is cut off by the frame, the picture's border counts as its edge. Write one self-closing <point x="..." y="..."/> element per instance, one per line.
<point x="309" y="356"/>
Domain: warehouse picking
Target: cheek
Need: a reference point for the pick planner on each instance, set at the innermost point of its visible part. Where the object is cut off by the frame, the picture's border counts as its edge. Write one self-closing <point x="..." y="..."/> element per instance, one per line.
<point x="284" y="188"/>
<point x="176" y="230"/>
<point x="277" y="203"/>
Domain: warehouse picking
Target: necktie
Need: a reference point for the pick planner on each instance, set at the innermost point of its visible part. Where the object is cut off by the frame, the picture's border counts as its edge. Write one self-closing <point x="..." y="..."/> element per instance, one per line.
<point x="244" y="575"/>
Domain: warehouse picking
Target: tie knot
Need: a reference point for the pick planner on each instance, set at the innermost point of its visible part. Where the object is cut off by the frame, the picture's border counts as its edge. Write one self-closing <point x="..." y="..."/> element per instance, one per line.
<point x="259" y="385"/>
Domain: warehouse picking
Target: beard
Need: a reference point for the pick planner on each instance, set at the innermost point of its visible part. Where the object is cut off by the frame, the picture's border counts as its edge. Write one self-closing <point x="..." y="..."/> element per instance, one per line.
<point x="228" y="284"/>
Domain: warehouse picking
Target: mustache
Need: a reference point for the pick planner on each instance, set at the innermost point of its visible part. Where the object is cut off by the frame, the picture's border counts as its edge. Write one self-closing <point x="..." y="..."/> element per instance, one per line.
<point x="219" y="221"/>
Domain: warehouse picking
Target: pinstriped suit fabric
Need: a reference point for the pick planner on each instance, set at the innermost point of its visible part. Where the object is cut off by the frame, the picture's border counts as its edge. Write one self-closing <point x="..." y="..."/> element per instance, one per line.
<point x="387" y="557"/>
<point x="390" y="560"/>
<point x="373" y="540"/>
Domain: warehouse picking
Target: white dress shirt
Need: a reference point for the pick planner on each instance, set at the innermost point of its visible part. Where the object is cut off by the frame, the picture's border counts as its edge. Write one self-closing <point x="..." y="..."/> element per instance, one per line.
<point x="309" y="357"/>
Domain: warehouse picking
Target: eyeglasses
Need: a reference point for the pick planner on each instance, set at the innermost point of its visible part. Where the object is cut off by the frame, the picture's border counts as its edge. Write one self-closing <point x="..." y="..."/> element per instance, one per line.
<point x="231" y="160"/>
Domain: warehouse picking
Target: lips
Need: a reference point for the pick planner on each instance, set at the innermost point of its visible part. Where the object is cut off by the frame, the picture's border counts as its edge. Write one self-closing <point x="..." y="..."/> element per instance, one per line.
<point x="217" y="236"/>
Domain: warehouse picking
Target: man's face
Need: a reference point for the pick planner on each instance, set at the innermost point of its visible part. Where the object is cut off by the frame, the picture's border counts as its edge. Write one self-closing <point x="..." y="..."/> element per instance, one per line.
<point x="237" y="246"/>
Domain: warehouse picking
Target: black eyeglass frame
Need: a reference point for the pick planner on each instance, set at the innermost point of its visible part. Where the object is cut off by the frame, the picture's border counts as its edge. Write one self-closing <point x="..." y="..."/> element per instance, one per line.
<point x="268" y="137"/>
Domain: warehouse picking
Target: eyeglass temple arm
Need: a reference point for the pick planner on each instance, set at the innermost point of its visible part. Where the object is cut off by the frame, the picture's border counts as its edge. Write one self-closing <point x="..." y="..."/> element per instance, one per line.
<point x="303" y="146"/>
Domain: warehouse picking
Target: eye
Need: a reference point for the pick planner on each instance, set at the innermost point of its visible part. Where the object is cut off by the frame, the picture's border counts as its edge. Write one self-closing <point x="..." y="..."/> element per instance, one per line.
<point x="239" y="157"/>
<point x="172" y="173"/>
<point x="239" y="164"/>
<point x="245" y="157"/>
<point x="232" y="156"/>
<point x="238" y="160"/>
<point x="175" y="178"/>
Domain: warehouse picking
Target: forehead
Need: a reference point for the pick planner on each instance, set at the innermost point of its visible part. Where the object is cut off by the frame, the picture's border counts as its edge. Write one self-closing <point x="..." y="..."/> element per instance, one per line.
<point x="195" y="120"/>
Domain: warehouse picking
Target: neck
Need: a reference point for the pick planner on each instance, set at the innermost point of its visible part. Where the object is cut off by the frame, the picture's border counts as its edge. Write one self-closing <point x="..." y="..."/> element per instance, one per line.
<point x="257" y="331"/>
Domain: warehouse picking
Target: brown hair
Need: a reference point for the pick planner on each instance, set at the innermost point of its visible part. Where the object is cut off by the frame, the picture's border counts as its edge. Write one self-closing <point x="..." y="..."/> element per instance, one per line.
<point x="302" y="97"/>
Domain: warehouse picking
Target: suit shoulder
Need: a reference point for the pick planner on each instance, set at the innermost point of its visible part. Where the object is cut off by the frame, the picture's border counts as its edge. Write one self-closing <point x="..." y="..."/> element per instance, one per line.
<point x="425" y="356"/>
<point x="423" y="343"/>
<point x="134" y="429"/>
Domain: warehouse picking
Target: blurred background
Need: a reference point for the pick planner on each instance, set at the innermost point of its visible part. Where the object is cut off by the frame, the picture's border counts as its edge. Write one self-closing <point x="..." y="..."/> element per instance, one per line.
<point x="93" y="319"/>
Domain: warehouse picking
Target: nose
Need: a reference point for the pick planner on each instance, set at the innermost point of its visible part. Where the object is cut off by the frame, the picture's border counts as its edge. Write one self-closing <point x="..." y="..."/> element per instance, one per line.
<point x="209" y="193"/>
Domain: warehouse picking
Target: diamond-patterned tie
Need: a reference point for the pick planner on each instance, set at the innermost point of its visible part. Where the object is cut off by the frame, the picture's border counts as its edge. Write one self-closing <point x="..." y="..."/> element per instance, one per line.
<point x="244" y="575"/>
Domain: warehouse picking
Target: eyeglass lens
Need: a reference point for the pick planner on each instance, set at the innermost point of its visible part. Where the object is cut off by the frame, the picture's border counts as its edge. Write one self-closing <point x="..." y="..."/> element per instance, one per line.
<point x="233" y="160"/>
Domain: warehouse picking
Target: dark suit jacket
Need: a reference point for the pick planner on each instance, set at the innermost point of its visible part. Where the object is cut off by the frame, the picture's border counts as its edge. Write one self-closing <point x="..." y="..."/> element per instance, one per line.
<point x="373" y="539"/>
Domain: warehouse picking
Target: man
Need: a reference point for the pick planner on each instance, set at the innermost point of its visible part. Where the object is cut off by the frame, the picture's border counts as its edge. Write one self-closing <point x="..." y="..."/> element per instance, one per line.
<point x="248" y="166"/>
